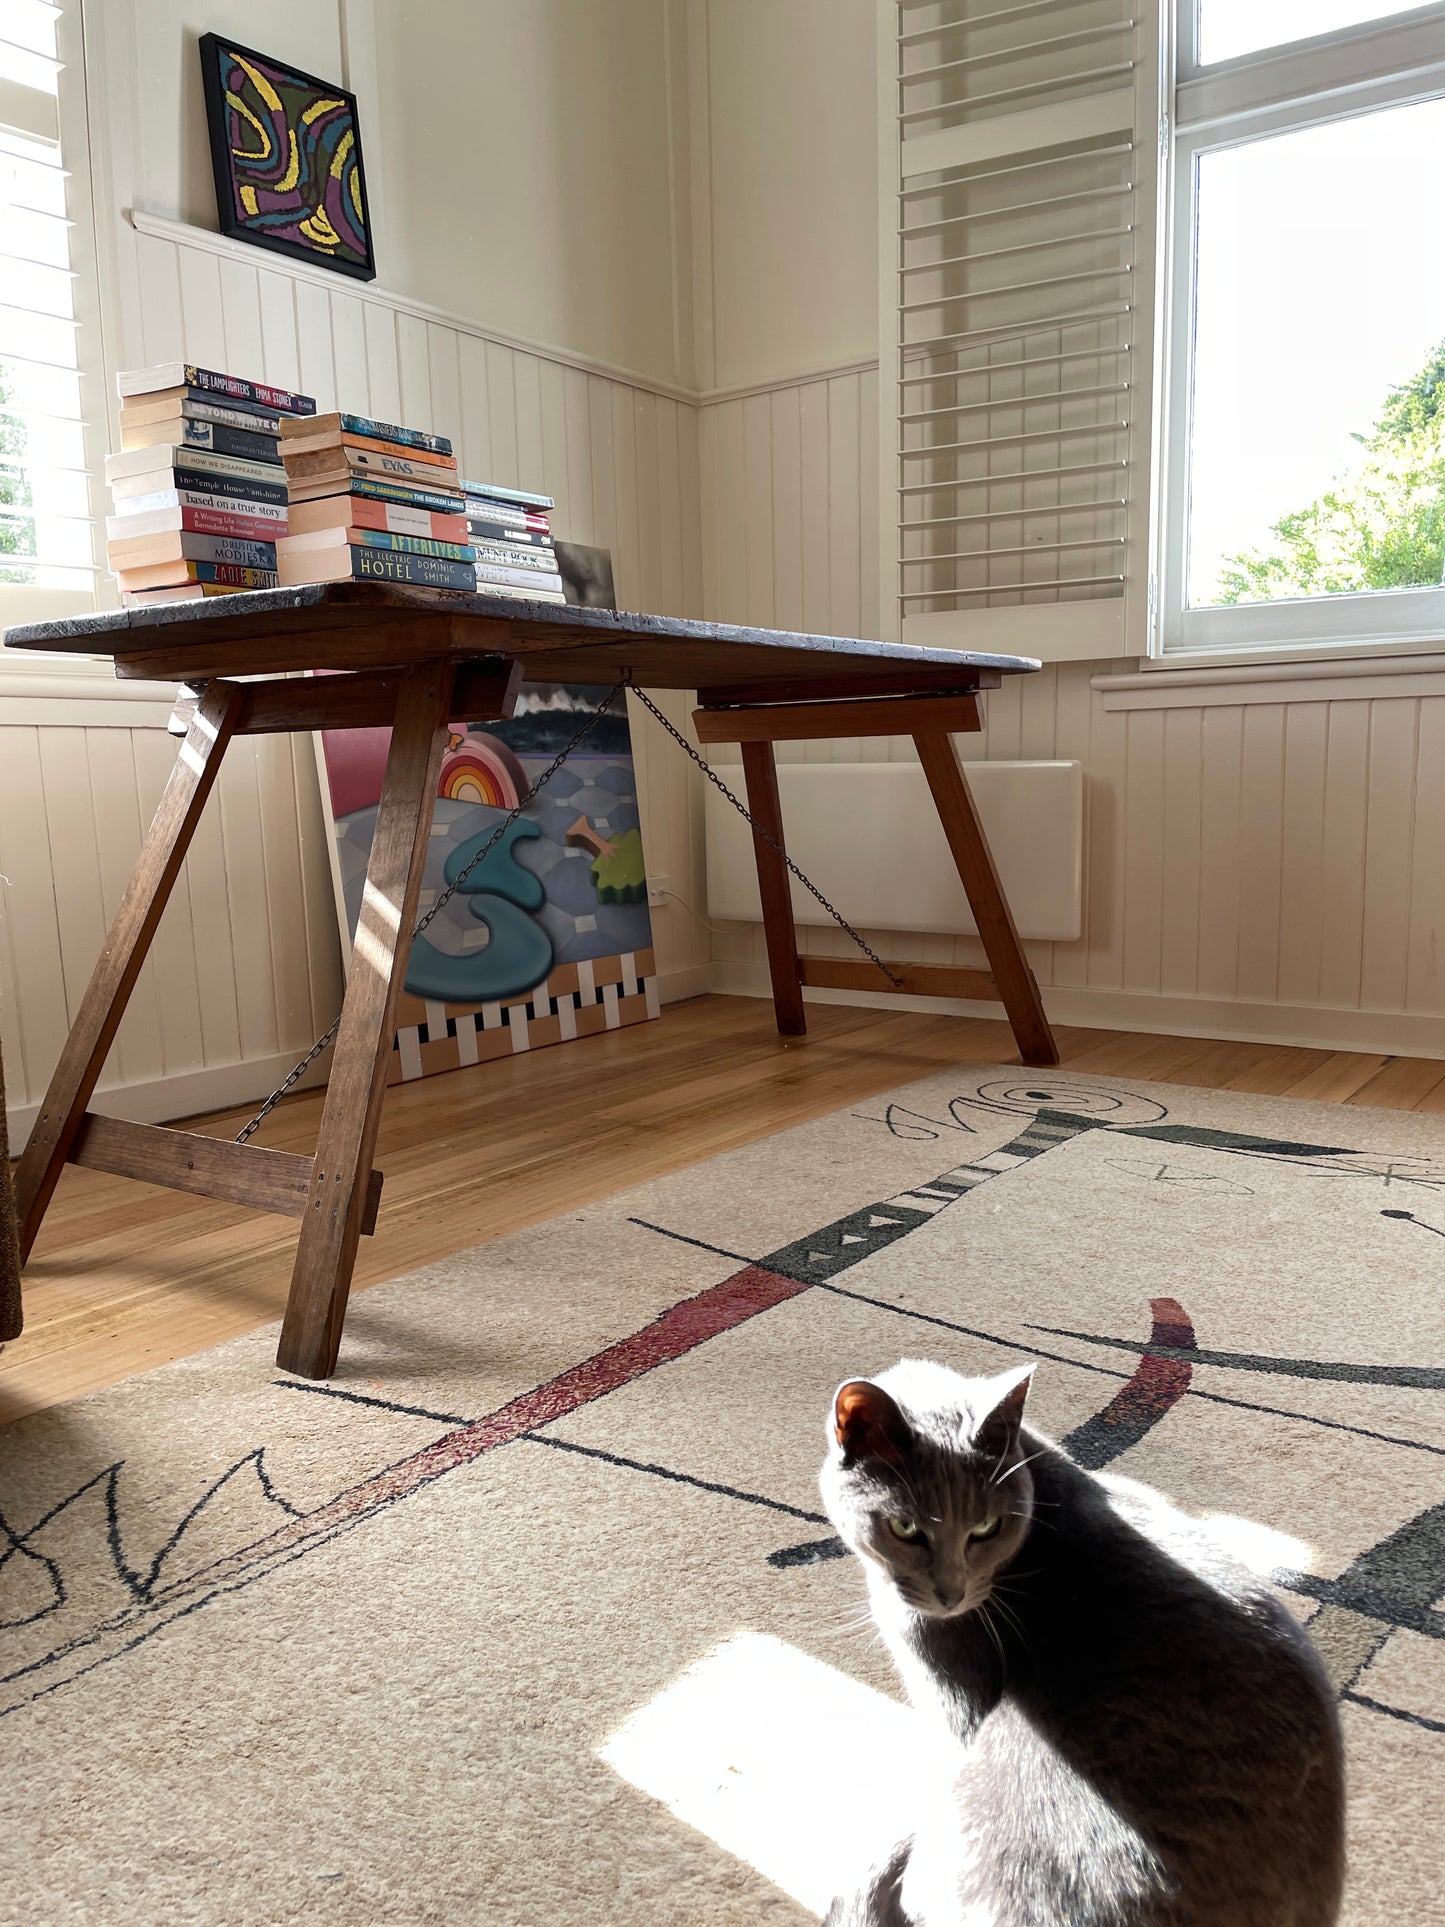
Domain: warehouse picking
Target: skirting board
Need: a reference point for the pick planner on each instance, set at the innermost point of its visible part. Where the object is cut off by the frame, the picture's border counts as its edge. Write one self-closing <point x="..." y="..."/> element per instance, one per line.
<point x="1387" y="1033"/>
<point x="165" y="1100"/>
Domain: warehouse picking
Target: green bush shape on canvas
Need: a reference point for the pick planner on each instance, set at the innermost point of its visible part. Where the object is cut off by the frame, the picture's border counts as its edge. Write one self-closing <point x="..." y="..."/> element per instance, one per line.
<point x="618" y="871"/>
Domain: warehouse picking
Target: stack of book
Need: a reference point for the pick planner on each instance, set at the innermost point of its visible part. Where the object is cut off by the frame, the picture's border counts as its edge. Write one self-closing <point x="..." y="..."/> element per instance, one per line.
<point x="198" y="485"/>
<point x="513" y="540"/>
<point x="372" y="502"/>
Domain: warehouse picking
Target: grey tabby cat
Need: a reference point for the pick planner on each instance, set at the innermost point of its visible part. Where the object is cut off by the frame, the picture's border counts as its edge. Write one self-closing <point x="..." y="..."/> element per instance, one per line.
<point x="1145" y="1736"/>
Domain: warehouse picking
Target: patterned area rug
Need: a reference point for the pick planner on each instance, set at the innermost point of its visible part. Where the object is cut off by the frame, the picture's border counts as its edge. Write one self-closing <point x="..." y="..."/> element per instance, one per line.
<point x="531" y="1615"/>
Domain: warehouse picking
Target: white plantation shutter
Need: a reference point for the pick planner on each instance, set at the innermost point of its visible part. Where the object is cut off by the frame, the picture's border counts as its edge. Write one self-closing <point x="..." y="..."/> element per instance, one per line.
<point x="1018" y="322"/>
<point x="47" y="560"/>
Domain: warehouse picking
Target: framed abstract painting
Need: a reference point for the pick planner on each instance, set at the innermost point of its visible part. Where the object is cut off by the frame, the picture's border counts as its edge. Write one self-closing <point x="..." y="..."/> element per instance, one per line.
<point x="286" y="154"/>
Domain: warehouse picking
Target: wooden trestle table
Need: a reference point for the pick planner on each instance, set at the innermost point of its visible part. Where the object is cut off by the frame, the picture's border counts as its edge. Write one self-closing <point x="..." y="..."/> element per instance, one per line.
<point x="418" y="658"/>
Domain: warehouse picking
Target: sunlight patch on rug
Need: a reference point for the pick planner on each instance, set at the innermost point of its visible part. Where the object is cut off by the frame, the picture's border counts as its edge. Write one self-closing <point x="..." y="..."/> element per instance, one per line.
<point x="786" y="1763"/>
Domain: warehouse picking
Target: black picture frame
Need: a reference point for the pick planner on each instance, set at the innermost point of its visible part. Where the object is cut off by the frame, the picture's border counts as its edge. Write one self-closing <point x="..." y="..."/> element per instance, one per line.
<point x="212" y="47"/>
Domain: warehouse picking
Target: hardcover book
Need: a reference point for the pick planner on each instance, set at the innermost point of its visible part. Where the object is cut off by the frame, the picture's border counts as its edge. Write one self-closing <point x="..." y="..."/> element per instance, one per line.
<point x="503" y="512"/>
<point x="184" y="374"/>
<point x="248" y="443"/>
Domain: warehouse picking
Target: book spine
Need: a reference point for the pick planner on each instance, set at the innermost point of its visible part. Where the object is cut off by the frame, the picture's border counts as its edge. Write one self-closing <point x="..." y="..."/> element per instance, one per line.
<point x="515" y="537"/>
<point x="390" y="518"/>
<point x="239" y="553"/>
<point x="426" y="572"/>
<point x="402" y="468"/>
<point x="516" y="578"/>
<point x="509" y="517"/>
<point x="517" y="497"/>
<point x="195" y="409"/>
<point x="247" y="528"/>
<point x="119" y="470"/>
<point x="401" y="496"/>
<point x="203" y="407"/>
<point x="243" y="442"/>
<point x="232" y="490"/>
<point x="236" y="575"/>
<point x="530" y="594"/>
<point x="542" y="562"/>
<point x="414" y="545"/>
<point x="210" y="382"/>
<point x="271" y="515"/>
<point x="389" y="432"/>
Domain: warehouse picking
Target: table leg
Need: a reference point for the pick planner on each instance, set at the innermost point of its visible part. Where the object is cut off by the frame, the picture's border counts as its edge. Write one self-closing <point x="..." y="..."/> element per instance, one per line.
<point x="331" y="1227"/>
<point x="760" y="773"/>
<point x="129" y="938"/>
<point x="997" y="932"/>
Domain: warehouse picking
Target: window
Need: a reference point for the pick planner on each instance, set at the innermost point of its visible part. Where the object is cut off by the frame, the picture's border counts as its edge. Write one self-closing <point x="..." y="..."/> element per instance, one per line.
<point x="46" y="542"/>
<point x="1303" y="497"/>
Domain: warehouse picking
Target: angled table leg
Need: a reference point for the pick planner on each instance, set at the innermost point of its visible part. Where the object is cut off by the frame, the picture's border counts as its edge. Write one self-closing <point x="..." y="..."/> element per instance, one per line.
<point x="129" y="938"/>
<point x="760" y="773"/>
<point x="997" y="931"/>
<point x="331" y="1227"/>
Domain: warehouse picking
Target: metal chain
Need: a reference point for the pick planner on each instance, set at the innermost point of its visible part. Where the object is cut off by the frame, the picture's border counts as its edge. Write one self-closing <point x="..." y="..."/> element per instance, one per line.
<point x="578" y="737"/>
<point x="757" y="829"/>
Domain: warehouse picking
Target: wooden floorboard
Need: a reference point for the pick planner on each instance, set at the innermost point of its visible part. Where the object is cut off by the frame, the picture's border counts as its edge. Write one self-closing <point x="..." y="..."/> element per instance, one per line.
<point x="126" y="1276"/>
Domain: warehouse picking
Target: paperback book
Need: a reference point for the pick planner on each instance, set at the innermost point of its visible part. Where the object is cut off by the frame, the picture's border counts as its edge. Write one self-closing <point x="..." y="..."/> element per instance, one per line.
<point x="544" y="561"/>
<point x="365" y="427"/>
<point x="181" y="545"/>
<point x="365" y="512"/>
<point x="521" y="538"/>
<point x="515" y="497"/>
<point x="231" y="521"/>
<point x="141" y="425"/>
<point x="203" y="501"/>
<point x="204" y="481"/>
<point x="488" y="573"/>
<point x="438" y="501"/>
<point x="185" y="374"/>
<point x="162" y="575"/>
<point x="363" y="564"/>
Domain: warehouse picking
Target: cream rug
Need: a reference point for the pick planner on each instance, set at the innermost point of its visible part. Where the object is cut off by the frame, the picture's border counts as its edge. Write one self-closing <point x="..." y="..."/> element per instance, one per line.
<point x="530" y="1615"/>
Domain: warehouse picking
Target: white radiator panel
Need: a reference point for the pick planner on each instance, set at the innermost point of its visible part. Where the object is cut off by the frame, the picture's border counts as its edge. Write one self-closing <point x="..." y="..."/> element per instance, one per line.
<point x="869" y="837"/>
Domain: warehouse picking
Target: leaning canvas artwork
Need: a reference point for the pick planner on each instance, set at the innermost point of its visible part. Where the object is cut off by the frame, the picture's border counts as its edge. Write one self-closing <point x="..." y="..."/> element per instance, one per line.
<point x="549" y="937"/>
<point x="286" y="155"/>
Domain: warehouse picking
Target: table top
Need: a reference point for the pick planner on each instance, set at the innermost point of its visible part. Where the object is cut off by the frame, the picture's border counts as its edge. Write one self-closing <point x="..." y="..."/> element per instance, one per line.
<point x="359" y="625"/>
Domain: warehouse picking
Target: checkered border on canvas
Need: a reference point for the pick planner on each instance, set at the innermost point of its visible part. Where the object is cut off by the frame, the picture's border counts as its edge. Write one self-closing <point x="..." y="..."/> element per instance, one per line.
<point x="576" y="1000"/>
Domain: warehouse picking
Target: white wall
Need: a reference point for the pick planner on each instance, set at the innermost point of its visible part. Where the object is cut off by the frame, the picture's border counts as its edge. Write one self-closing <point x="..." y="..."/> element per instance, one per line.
<point x="788" y="169"/>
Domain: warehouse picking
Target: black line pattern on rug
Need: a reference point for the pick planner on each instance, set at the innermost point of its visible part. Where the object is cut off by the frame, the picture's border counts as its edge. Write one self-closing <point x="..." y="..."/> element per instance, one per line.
<point x="700" y="1244"/>
<point x="1427" y="1378"/>
<point x="361" y="1398"/>
<point x="1081" y="1365"/>
<point x="667" y="1472"/>
<point x="1410" y="1218"/>
<point x="1394" y="1712"/>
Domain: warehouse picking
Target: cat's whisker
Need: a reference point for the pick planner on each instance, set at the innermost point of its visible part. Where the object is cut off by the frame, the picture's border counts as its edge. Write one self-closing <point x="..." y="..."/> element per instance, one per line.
<point x="1022" y="1463"/>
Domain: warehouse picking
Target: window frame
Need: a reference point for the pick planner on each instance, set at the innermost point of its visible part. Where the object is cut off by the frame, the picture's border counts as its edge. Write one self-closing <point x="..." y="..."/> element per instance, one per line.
<point x="1396" y="60"/>
<point x="22" y="603"/>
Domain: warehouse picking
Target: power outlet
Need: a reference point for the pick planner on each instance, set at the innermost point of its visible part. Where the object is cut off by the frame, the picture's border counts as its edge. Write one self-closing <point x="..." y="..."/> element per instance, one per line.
<point x="658" y="890"/>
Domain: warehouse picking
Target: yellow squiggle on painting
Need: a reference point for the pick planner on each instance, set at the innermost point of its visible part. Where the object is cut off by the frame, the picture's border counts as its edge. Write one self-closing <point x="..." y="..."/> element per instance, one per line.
<point x="244" y="153"/>
<point x="319" y="107"/>
<point x="259" y="82"/>
<point x="318" y="229"/>
<point x="338" y="159"/>
<point x="248" y="197"/>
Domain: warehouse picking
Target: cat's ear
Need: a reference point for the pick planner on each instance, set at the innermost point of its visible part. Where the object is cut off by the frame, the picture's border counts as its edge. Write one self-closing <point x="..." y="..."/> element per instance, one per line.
<point x="867" y="1424"/>
<point x="999" y="1426"/>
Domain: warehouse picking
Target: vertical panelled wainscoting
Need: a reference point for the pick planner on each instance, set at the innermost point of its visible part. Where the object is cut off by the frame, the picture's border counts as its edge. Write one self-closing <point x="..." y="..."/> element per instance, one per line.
<point x="247" y="968"/>
<point x="1254" y="868"/>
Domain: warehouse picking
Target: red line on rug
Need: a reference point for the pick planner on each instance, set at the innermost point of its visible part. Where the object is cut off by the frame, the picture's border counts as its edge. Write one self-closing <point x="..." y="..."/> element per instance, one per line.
<point x="682" y="1327"/>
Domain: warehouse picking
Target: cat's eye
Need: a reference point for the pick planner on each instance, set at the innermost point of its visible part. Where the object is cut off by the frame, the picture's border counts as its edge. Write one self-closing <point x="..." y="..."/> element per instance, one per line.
<point x="985" y="1529"/>
<point x="906" y="1529"/>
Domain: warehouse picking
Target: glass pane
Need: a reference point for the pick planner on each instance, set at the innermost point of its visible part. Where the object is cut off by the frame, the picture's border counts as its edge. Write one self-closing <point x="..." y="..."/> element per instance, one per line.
<point x="1229" y="28"/>
<point x="1317" y="459"/>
